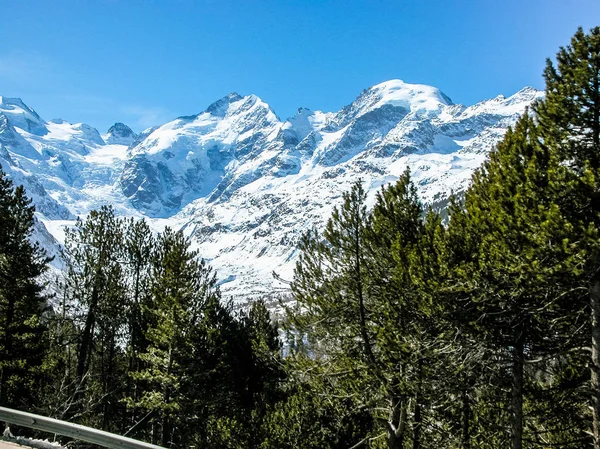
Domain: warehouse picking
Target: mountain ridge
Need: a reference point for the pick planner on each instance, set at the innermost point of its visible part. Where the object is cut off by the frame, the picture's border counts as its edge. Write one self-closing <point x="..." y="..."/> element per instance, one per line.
<point x="243" y="183"/>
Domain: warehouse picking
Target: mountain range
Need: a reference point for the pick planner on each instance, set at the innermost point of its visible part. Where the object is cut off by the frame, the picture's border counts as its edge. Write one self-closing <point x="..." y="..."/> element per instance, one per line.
<point x="242" y="183"/>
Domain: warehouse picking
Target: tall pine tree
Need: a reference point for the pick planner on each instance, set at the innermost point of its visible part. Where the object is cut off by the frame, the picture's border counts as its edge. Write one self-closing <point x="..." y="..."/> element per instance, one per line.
<point x="22" y="304"/>
<point x="569" y="119"/>
<point x="181" y="286"/>
<point x="517" y="241"/>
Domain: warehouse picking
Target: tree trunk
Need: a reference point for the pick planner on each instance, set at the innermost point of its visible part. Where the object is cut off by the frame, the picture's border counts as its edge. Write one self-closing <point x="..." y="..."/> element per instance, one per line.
<point x="86" y="338"/>
<point x="417" y="426"/>
<point x="166" y="430"/>
<point x="361" y="300"/>
<point x="109" y="376"/>
<point x="596" y="113"/>
<point x="466" y="417"/>
<point x="418" y="418"/>
<point x="595" y="365"/>
<point x="517" y="394"/>
<point x="8" y="321"/>
<point x="133" y="365"/>
<point x="166" y="422"/>
<point x="396" y="424"/>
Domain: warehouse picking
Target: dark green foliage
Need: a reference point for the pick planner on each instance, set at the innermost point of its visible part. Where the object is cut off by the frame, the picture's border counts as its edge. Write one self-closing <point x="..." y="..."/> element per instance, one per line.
<point x="512" y="256"/>
<point x="94" y="289"/>
<point x="139" y="246"/>
<point x="143" y="345"/>
<point x="23" y="339"/>
<point x="569" y="120"/>
<point x="366" y="296"/>
<point x="241" y="375"/>
<point x="307" y="419"/>
<point x="181" y="284"/>
<point x="570" y="113"/>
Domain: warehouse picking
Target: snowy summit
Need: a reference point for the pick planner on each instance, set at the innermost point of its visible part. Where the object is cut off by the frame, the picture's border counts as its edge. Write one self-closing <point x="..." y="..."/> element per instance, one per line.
<point x="243" y="183"/>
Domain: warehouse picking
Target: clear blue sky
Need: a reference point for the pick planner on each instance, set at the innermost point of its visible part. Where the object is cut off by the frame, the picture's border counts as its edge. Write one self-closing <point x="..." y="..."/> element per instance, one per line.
<point x="146" y="62"/>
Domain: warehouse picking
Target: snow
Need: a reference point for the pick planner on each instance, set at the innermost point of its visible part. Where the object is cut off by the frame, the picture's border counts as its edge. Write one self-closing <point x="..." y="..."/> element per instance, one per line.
<point x="35" y="443"/>
<point x="241" y="183"/>
<point x="57" y="228"/>
<point x="414" y="97"/>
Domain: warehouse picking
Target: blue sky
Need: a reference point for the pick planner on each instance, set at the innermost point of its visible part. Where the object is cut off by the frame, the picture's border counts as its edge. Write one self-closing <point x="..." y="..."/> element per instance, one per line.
<point x="146" y="62"/>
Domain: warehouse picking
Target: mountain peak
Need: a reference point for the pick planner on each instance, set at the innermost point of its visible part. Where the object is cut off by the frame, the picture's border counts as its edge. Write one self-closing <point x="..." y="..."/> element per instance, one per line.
<point x="11" y="100"/>
<point x="400" y="92"/>
<point x="119" y="133"/>
<point x="120" y="129"/>
<point x="219" y="107"/>
<point x="529" y="89"/>
<point x="22" y="116"/>
<point x="393" y="97"/>
<point x="12" y="103"/>
<point x="527" y="93"/>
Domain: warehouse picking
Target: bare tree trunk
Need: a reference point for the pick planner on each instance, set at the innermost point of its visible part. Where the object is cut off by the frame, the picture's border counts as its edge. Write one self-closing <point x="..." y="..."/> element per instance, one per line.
<point x="87" y="337"/>
<point x="517" y="394"/>
<point x="166" y="421"/>
<point x="397" y="423"/>
<point x="418" y="424"/>
<point x="7" y="352"/>
<point x="595" y="365"/>
<point x="466" y="424"/>
<point x="361" y="300"/>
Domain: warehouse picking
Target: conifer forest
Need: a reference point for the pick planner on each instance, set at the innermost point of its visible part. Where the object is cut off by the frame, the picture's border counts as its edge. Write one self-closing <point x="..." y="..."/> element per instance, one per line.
<point x="476" y="326"/>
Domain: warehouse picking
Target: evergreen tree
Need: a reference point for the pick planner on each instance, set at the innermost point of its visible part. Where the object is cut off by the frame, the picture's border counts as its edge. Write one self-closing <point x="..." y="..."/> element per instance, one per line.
<point x="95" y="287"/>
<point x="308" y="419"/>
<point x="404" y="247"/>
<point x="181" y="286"/>
<point x="569" y="118"/>
<point x="22" y="328"/>
<point x="330" y="287"/>
<point x="365" y="296"/>
<point x="514" y="240"/>
<point x="235" y="370"/>
<point x="139" y="246"/>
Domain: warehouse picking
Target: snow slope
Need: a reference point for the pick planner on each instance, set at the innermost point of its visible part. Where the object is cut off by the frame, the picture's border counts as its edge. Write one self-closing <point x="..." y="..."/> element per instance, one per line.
<point x="243" y="183"/>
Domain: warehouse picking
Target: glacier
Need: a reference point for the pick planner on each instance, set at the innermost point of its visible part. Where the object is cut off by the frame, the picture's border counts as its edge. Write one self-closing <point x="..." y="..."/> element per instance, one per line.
<point x="244" y="184"/>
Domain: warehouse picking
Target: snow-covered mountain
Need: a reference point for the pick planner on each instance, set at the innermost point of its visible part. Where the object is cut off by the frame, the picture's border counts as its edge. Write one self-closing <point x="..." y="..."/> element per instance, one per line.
<point x="243" y="183"/>
<point x="120" y="134"/>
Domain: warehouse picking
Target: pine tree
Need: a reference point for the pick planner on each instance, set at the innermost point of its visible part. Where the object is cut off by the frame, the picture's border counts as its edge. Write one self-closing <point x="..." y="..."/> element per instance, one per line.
<point x="366" y="303"/>
<point x="95" y="286"/>
<point x="263" y="337"/>
<point x="333" y="304"/>
<point x="22" y="304"/>
<point x="394" y="234"/>
<point x="309" y="419"/>
<point x="404" y="247"/>
<point x="262" y="368"/>
<point x="517" y="241"/>
<point x="234" y="374"/>
<point x="139" y="246"/>
<point x="569" y="119"/>
<point x="181" y="286"/>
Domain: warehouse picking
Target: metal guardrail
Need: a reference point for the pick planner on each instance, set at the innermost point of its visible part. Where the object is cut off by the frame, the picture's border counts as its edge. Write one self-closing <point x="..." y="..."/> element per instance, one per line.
<point x="94" y="436"/>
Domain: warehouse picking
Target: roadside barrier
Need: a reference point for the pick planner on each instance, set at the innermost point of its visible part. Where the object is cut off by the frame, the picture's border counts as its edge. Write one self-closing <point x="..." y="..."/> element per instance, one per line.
<point x="83" y="433"/>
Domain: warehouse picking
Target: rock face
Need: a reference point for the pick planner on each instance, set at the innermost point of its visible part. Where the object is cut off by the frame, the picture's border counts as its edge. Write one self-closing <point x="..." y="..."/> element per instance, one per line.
<point x="243" y="183"/>
<point x="190" y="157"/>
<point x="120" y="134"/>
